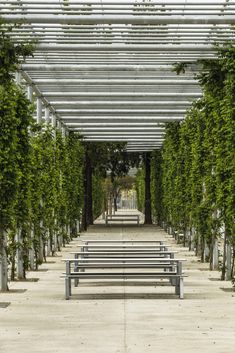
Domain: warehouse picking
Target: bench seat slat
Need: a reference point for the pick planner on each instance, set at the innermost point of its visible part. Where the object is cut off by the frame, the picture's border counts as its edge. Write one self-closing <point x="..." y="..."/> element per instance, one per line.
<point x="125" y="246"/>
<point x="158" y="260"/>
<point x="125" y="274"/>
<point x="120" y="219"/>
<point x="130" y="265"/>
<point x="118" y="253"/>
<point x="121" y="241"/>
<point x="122" y="260"/>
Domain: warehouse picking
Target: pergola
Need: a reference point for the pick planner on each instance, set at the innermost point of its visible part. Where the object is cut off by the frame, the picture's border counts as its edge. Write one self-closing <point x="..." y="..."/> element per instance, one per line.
<point x="104" y="67"/>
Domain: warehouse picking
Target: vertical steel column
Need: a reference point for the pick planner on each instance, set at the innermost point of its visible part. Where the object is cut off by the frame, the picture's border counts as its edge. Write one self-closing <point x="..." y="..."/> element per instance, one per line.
<point x="30" y="93"/>
<point x="18" y="77"/>
<point x="67" y="281"/>
<point x="59" y="125"/>
<point x="63" y="130"/>
<point x="53" y="121"/>
<point x="47" y="115"/>
<point x="39" y="110"/>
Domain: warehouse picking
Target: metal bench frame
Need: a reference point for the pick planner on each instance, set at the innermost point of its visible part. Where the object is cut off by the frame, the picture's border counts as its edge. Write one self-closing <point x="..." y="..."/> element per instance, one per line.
<point x="122" y="218"/>
<point x="172" y="270"/>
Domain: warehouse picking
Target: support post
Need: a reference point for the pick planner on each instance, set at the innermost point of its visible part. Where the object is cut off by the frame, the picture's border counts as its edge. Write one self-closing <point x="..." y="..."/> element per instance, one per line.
<point x="67" y="281"/>
<point x="63" y="130"/>
<point x="59" y="126"/>
<point x="30" y="93"/>
<point x="53" y="121"/>
<point x="39" y="111"/>
<point x="181" y="288"/>
<point x="47" y="115"/>
<point x="76" y="269"/>
<point x="18" y="78"/>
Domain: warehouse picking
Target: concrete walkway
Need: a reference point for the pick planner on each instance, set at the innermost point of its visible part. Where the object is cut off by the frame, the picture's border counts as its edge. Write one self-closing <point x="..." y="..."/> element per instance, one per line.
<point x="120" y="317"/>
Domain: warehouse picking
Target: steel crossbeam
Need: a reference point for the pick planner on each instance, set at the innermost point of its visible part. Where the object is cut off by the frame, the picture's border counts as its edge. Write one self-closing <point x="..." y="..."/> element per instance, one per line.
<point x="105" y="69"/>
<point x="124" y="19"/>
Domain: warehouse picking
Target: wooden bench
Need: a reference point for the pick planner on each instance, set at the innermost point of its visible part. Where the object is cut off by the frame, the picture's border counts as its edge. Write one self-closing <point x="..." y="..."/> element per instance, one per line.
<point x="122" y="218"/>
<point x="170" y="269"/>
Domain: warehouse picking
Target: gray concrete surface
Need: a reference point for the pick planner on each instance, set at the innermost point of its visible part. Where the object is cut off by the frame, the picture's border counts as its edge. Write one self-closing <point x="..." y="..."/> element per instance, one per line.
<point x="121" y="316"/>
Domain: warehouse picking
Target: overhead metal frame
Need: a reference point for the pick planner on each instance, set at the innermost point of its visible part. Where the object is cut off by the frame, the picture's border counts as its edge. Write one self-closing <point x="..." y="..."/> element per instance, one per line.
<point x="104" y="67"/>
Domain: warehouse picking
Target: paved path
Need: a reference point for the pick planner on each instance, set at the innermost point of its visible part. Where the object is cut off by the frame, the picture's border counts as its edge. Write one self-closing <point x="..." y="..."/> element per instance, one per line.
<point x="119" y="317"/>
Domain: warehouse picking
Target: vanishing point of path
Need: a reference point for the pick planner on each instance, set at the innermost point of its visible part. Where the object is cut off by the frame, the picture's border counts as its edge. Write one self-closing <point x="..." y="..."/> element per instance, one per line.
<point x="120" y="317"/>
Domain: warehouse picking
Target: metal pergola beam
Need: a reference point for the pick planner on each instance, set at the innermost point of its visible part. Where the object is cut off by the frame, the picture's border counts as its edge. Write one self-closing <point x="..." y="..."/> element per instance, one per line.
<point x="99" y="119"/>
<point x="124" y="19"/>
<point x="140" y="29"/>
<point x="107" y="73"/>
<point x="76" y="106"/>
<point x="122" y="139"/>
<point x="79" y="111"/>
<point x="104" y="81"/>
<point x="119" y="94"/>
<point x="133" y="134"/>
<point x="123" y="131"/>
<point x="124" y="47"/>
<point x="122" y="3"/>
<point x="84" y="67"/>
<point x="114" y="125"/>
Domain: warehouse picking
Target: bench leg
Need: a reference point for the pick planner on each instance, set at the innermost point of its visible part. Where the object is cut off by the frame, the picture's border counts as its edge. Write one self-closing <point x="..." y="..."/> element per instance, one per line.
<point x="176" y="286"/>
<point x="67" y="288"/>
<point x="76" y="269"/>
<point x="181" y="288"/>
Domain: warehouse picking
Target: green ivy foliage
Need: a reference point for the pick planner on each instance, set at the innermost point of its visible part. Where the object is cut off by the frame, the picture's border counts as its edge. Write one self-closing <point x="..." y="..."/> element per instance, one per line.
<point x="41" y="173"/>
<point x="73" y="177"/>
<point x="140" y="189"/>
<point x="198" y="165"/>
<point x="98" y="195"/>
<point x="156" y="187"/>
<point x="11" y="53"/>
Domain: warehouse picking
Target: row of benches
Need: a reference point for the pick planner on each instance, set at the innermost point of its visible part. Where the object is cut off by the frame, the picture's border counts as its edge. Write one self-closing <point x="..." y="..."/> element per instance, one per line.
<point x="124" y="259"/>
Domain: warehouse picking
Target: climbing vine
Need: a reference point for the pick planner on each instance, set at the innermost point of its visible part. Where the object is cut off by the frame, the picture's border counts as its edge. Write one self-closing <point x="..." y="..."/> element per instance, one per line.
<point x="41" y="175"/>
<point x="198" y="166"/>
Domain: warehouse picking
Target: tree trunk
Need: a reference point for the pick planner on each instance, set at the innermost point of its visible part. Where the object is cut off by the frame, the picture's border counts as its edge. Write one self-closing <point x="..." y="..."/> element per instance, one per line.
<point x="115" y="203"/>
<point x="110" y="207"/>
<point x="224" y="256"/>
<point x="147" y="208"/>
<point x="32" y="253"/>
<point x="49" y="243"/>
<point x="41" y="245"/>
<point x="192" y="239"/>
<point x="19" y="254"/>
<point x="214" y="254"/>
<point x="229" y="261"/>
<point x="84" y="213"/>
<point x="3" y="261"/>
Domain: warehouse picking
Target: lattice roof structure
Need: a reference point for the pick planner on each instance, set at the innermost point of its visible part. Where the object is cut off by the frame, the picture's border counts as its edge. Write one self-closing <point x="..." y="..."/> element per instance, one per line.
<point x="104" y="67"/>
